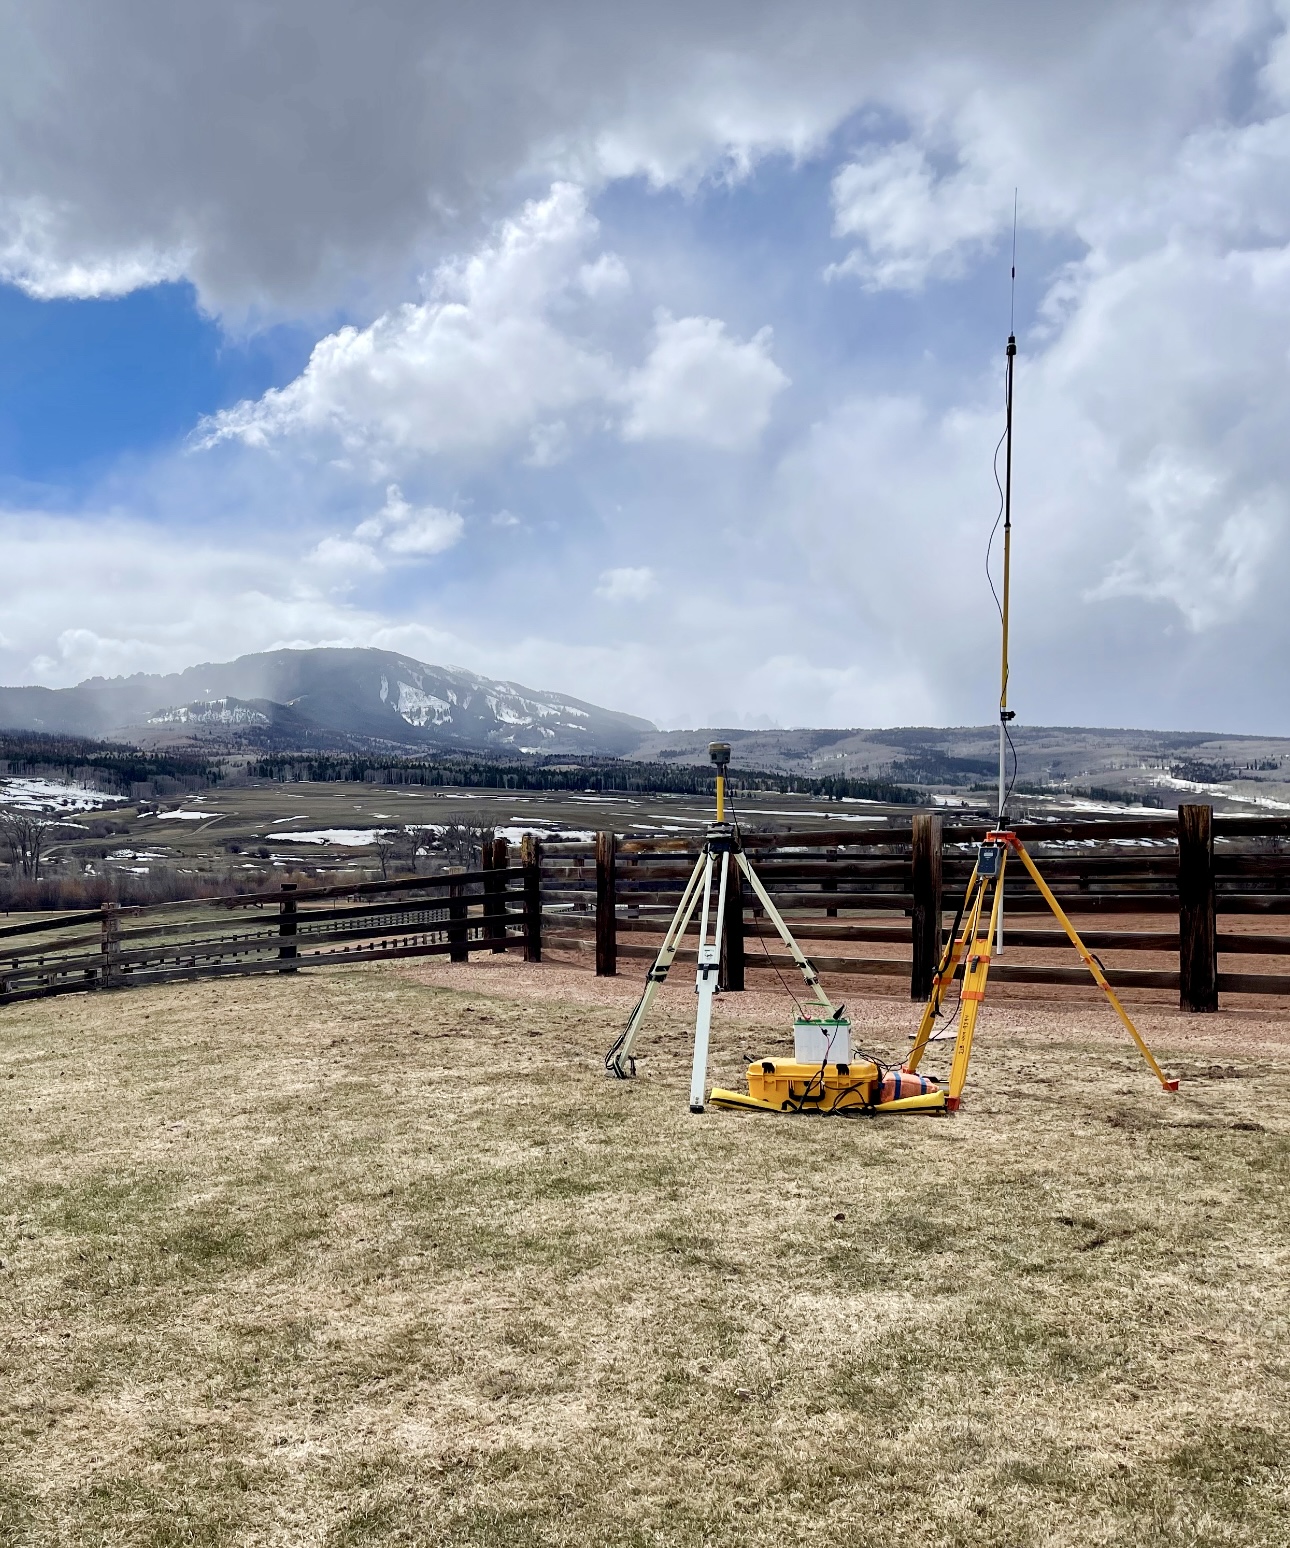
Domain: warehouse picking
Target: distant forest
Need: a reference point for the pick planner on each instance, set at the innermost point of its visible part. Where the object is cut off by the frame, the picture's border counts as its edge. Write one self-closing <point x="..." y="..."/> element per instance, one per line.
<point x="599" y="774"/>
<point x="117" y="768"/>
<point x="112" y="767"/>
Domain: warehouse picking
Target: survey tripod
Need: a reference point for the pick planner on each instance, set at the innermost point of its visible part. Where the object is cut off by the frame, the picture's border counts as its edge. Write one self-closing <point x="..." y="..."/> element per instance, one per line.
<point x="970" y="945"/>
<point x="721" y="847"/>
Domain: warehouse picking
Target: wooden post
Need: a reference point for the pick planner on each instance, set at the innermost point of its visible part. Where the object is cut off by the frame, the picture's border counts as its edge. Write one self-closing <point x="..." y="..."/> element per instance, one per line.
<point x="287" y="922"/>
<point x="531" y="860"/>
<point x="926" y="913"/>
<point x="490" y="890"/>
<point x="1197" y="923"/>
<point x="458" y="948"/>
<point x="732" y="947"/>
<point x="606" y="908"/>
<point x="501" y="858"/>
<point x="109" y="945"/>
<point x="830" y="886"/>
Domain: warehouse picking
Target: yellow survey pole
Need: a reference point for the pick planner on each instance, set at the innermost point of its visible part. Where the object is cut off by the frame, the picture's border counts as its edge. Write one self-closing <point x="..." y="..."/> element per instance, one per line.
<point x="721" y="795"/>
<point x="1005" y="714"/>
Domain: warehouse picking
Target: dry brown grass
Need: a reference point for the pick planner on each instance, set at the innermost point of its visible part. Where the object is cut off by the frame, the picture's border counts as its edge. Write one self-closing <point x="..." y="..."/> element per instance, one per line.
<point x="380" y="1256"/>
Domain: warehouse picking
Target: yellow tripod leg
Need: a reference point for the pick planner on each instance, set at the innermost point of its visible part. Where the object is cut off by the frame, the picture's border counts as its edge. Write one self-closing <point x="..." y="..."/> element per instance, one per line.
<point x="974" y="981"/>
<point x="1099" y="978"/>
<point x="950" y="959"/>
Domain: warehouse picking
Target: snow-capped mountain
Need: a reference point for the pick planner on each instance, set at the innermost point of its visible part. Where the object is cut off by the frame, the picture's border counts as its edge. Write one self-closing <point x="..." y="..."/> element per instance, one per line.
<point x="327" y="695"/>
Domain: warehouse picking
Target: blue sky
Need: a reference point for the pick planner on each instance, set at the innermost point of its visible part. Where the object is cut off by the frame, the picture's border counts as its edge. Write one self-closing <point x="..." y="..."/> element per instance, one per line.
<point x="658" y="366"/>
<point x="85" y="383"/>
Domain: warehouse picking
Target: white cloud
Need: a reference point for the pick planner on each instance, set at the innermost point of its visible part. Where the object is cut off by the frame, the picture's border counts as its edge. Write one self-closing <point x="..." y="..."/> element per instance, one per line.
<point x="466" y="371"/>
<point x="43" y="257"/>
<point x="1151" y="144"/>
<point x="628" y="584"/>
<point x="495" y="358"/>
<point x="404" y="529"/>
<point x="105" y="596"/>
<point x="698" y="384"/>
<point x="397" y="531"/>
<point x="346" y="557"/>
<point x="298" y="152"/>
<point x="911" y="222"/>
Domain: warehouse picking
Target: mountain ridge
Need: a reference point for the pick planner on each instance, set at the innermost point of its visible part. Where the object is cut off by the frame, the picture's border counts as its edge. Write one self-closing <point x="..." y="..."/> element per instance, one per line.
<point x="330" y="695"/>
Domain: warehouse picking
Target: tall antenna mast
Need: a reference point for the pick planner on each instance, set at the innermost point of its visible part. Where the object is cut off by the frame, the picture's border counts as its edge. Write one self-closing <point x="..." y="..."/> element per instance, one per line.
<point x="1005" y="714"/>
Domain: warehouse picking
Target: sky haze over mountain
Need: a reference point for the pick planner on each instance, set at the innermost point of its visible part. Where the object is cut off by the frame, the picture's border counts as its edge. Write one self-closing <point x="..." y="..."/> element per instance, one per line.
<point x="655" y="356"/>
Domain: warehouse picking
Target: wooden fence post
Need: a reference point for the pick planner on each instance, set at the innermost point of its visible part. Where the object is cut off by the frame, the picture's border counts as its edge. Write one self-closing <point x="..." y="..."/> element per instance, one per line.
<point x="1197" y="922"/>
<point x="490" y="889"/>
<point x="831" y="856"/>
<point x="732" y="947"/>
<point x="531" y="860"/>
<point x="606" y="907"/>
<point x="110" y="946"/>
<point x="458" y="947"/>
<point x="501" y="859"/>
<point x="287" y="922"/>
<point x="926" y="913"/>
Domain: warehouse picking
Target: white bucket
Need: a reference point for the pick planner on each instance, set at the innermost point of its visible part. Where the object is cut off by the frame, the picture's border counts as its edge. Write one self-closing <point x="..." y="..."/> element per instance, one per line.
<point x="822" y="1042"/>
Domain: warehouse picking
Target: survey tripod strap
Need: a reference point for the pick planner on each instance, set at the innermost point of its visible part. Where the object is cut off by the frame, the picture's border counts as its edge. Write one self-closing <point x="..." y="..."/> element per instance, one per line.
<point x="811" y="977"/>
<point x="618" y="1061"/>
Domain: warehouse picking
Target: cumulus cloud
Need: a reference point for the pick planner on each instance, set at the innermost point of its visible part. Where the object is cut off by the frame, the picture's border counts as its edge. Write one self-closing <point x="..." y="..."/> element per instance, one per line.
<point x="405" y="529"/>
<point x="1151" y="145"/>
<point x="293" y="151"/>
<point x="494" y="356"/>
<point x="468" y="369"/>
<point x="698" y="384"/>
<point x="43" y="256"/>
<point x="398" y="531"/>
<point x="911" y="222"/>
<point x="628" y="584"/>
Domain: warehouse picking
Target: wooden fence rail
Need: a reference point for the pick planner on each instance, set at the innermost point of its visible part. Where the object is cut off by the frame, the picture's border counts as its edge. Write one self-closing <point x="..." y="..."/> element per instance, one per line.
<point x="900" y="885"/>
<point x="493" y="909"/>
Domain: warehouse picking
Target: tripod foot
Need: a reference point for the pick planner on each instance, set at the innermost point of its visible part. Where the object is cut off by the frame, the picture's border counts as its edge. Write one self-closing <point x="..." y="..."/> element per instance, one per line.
<point x="696" y="1107"/>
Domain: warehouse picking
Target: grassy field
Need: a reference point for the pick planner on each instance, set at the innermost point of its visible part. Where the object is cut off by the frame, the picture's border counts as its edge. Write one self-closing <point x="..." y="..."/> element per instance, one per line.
<point x="244" y="832"/>
<point x="380" y="1256"/>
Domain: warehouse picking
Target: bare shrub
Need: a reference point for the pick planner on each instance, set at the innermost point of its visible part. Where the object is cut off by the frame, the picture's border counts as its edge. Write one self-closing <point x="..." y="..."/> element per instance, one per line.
<point x="25" y="834"/>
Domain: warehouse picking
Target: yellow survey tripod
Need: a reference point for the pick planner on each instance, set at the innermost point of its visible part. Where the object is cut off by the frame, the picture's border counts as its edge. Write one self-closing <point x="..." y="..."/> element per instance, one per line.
<point x="978" y="934"/>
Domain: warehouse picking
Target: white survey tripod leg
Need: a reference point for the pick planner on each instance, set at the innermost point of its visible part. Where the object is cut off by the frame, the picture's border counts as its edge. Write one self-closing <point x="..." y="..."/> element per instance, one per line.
<point x="618" y="1061"/>
<point x="705" y="986"/>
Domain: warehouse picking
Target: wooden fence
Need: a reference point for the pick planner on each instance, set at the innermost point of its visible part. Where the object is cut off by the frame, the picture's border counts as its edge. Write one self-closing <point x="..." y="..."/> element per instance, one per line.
<point x="493" y="909"/>
<point x="895" y="887"/>
<point x="899" y="887"/>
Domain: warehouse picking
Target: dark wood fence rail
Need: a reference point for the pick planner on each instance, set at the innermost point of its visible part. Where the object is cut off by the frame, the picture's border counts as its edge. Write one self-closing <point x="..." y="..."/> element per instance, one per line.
<point x="493" y="909"/>
<point x="898" y="886"/>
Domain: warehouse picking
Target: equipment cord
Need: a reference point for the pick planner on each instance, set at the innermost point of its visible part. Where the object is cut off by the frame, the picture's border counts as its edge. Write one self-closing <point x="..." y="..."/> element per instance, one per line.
<point x="998" y="605"/>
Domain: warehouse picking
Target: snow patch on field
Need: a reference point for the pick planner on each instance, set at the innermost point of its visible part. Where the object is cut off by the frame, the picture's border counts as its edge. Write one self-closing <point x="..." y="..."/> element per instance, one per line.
<point x="350" y="838"/>
<point x="33" y="795"/>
